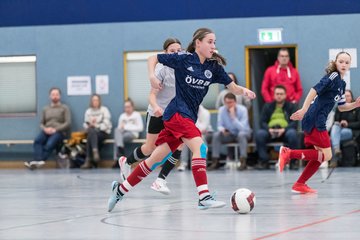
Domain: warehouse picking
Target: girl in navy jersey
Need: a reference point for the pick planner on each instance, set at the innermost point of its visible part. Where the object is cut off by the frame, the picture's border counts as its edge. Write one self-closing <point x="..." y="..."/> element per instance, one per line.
<point x="158" y="99"/>
<point x="318" y="104"/>
<point x="194" y="72"/>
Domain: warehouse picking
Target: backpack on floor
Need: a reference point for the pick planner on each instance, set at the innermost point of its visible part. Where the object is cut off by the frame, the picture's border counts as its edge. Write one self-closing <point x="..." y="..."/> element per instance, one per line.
<point x="349" y="152"/>
<point x="72" y="154"/>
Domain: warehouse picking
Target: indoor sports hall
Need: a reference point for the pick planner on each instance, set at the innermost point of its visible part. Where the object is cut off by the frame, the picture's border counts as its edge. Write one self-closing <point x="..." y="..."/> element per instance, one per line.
<point x="71" y="70"/>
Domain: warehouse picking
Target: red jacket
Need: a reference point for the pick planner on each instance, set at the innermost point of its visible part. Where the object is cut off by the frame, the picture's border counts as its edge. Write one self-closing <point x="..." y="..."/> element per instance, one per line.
<point x="288" y="77"/>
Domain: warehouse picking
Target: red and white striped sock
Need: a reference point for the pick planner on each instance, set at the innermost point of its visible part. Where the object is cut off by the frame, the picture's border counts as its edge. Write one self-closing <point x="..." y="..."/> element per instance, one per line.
<point x="307" y="155"/>
<point x="139" y="173"/>
<point x="315" y="158"/>
<point x="198" y="166"/>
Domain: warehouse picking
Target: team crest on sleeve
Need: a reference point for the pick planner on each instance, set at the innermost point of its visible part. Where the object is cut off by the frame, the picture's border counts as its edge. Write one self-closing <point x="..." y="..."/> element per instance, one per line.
<point x="208" y="74"/>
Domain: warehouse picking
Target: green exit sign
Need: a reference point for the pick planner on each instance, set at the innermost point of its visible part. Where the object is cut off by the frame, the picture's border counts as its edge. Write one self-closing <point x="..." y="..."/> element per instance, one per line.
<point x="270" y="35"/>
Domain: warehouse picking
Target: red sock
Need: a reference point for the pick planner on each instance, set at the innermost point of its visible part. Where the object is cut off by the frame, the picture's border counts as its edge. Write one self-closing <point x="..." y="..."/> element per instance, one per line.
<point x="307" y="155"/>
<point x="198" y="166"/>
<point x="309" y="171"/>
<point x="139" y="173"/>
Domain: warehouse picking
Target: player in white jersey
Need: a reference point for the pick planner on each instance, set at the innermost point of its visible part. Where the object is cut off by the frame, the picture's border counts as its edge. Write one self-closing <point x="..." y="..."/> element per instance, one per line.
<point x="159" y="99"/>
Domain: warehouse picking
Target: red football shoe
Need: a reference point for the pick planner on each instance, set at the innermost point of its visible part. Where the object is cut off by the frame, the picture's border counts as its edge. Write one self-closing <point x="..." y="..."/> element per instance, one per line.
<point x="302" y="188"/>
<point x="284" y="157"/>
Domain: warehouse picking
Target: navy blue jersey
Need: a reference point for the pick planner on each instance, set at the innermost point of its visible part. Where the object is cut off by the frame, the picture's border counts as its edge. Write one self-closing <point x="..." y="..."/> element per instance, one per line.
<point x="192" y="81"/>
<point x="330" y="89"/>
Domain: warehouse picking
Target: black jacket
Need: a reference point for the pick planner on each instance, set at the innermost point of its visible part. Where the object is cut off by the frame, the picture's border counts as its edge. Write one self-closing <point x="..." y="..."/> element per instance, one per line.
<point x="353" y="119"/>
<point x="269" y="109"/>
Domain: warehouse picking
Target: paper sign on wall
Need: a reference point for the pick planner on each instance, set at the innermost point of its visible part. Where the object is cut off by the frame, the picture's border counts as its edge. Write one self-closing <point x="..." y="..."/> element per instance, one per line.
<point x="102" y="84"/>
<point x="347" y="80"/>
<point x="78" y="85"/>
<point x="352" y="51"/>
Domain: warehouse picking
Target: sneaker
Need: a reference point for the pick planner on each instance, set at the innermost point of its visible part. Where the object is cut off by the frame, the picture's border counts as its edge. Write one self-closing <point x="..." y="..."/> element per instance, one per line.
<point x="210" y="202"/>
<point x="37" y="164"/>
<point x="125" y="169"/>
<point x="160" y="186"/>
<point x="242" y="164"/>
<point x="324" y="164"/>
<point x="29" y="166"/>
<point x="284" y="157"/>
<point x="115" y="196"/>
<point x="34" y="164"/>
<point x="182" y="167"/>
<point x="333" y="164"/>
<point x="262" y="166"/>
<point x="302" y="188"/>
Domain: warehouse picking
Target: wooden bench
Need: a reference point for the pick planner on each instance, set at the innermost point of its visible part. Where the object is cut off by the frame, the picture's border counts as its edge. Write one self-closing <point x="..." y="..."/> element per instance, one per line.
<point x="112" y="141"/>
<point x="139" y="140"/>
<point x="9" y="143"/>
<point x="250" y="145"/>
<point x="19" y="142"/>
<point x="15" y="142"/>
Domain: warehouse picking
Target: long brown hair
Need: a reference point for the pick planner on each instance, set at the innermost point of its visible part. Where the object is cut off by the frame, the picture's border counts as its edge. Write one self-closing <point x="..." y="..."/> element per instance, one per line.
<point x="351" y="93"/>
<point x="332" y="64"/>
<point x="91" y="103"/>
<point x="170" y="41"/>
<point x="234" y="77"/>
<point x="200" y="34"/>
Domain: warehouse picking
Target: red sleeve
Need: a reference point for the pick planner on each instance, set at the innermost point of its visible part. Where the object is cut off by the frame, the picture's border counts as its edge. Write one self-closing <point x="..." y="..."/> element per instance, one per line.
<point x="298" y="88"/>
<point x="265" y="87"/>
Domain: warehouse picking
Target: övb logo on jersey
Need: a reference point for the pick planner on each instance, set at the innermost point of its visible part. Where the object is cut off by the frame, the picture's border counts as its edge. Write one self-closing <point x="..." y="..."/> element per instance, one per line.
<point x="197" y="83"/>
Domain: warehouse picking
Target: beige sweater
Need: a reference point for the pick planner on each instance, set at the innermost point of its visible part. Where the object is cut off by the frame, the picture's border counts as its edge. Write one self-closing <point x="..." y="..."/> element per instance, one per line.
<point x="56" y="116"/>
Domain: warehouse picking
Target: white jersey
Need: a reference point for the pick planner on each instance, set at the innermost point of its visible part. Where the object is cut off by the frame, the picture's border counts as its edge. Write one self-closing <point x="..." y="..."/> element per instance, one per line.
<point x="167" y="77"/>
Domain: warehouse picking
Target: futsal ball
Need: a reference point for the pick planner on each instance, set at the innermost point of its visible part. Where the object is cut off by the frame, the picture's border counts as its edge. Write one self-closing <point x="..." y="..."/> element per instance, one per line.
<point x="243" y="200"/>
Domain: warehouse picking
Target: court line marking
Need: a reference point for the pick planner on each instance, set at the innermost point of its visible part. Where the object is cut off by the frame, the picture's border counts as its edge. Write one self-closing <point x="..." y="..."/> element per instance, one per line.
<point x="123" y="212"/>
<point x="307" y="225"/>
<point x="79" y="177"/>
<point x="105" y="220"/>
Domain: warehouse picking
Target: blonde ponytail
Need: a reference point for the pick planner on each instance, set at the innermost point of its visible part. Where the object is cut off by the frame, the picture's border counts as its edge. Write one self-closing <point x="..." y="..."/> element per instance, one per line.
<point x="331" y="67"/>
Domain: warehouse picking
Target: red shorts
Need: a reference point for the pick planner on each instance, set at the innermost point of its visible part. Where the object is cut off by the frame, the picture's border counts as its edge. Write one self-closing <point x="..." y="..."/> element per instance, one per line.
<point x="177" y="127"/>
<point x="317" y="138"/>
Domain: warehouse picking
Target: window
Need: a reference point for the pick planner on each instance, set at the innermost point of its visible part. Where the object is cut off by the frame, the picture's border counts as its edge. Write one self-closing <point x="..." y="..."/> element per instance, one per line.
<point x="137" y="84"/>
<point x="17" y="85"/>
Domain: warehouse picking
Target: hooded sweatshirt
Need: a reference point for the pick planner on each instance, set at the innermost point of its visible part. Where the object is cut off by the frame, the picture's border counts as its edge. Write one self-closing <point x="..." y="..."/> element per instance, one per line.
<point x="288" y="77"/>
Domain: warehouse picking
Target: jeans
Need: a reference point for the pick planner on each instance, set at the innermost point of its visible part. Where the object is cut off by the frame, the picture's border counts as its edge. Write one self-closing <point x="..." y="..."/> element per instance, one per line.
<point x="339" y="134"/>
<point x="219" y="137"/>
<point x="44" y="144"/>
<point x="262" y="137"/>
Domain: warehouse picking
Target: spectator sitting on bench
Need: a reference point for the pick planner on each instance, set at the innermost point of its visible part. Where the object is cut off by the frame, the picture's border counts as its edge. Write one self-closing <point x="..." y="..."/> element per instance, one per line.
<point x="240" y="99"/>
<point x="276" y="125"/>
<point x="55" y="124"/>
<point x="233" y="126"/>
<point x="346" y="127"/>
<point x="98" y="127"/>
<point x="130" y="125"/>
